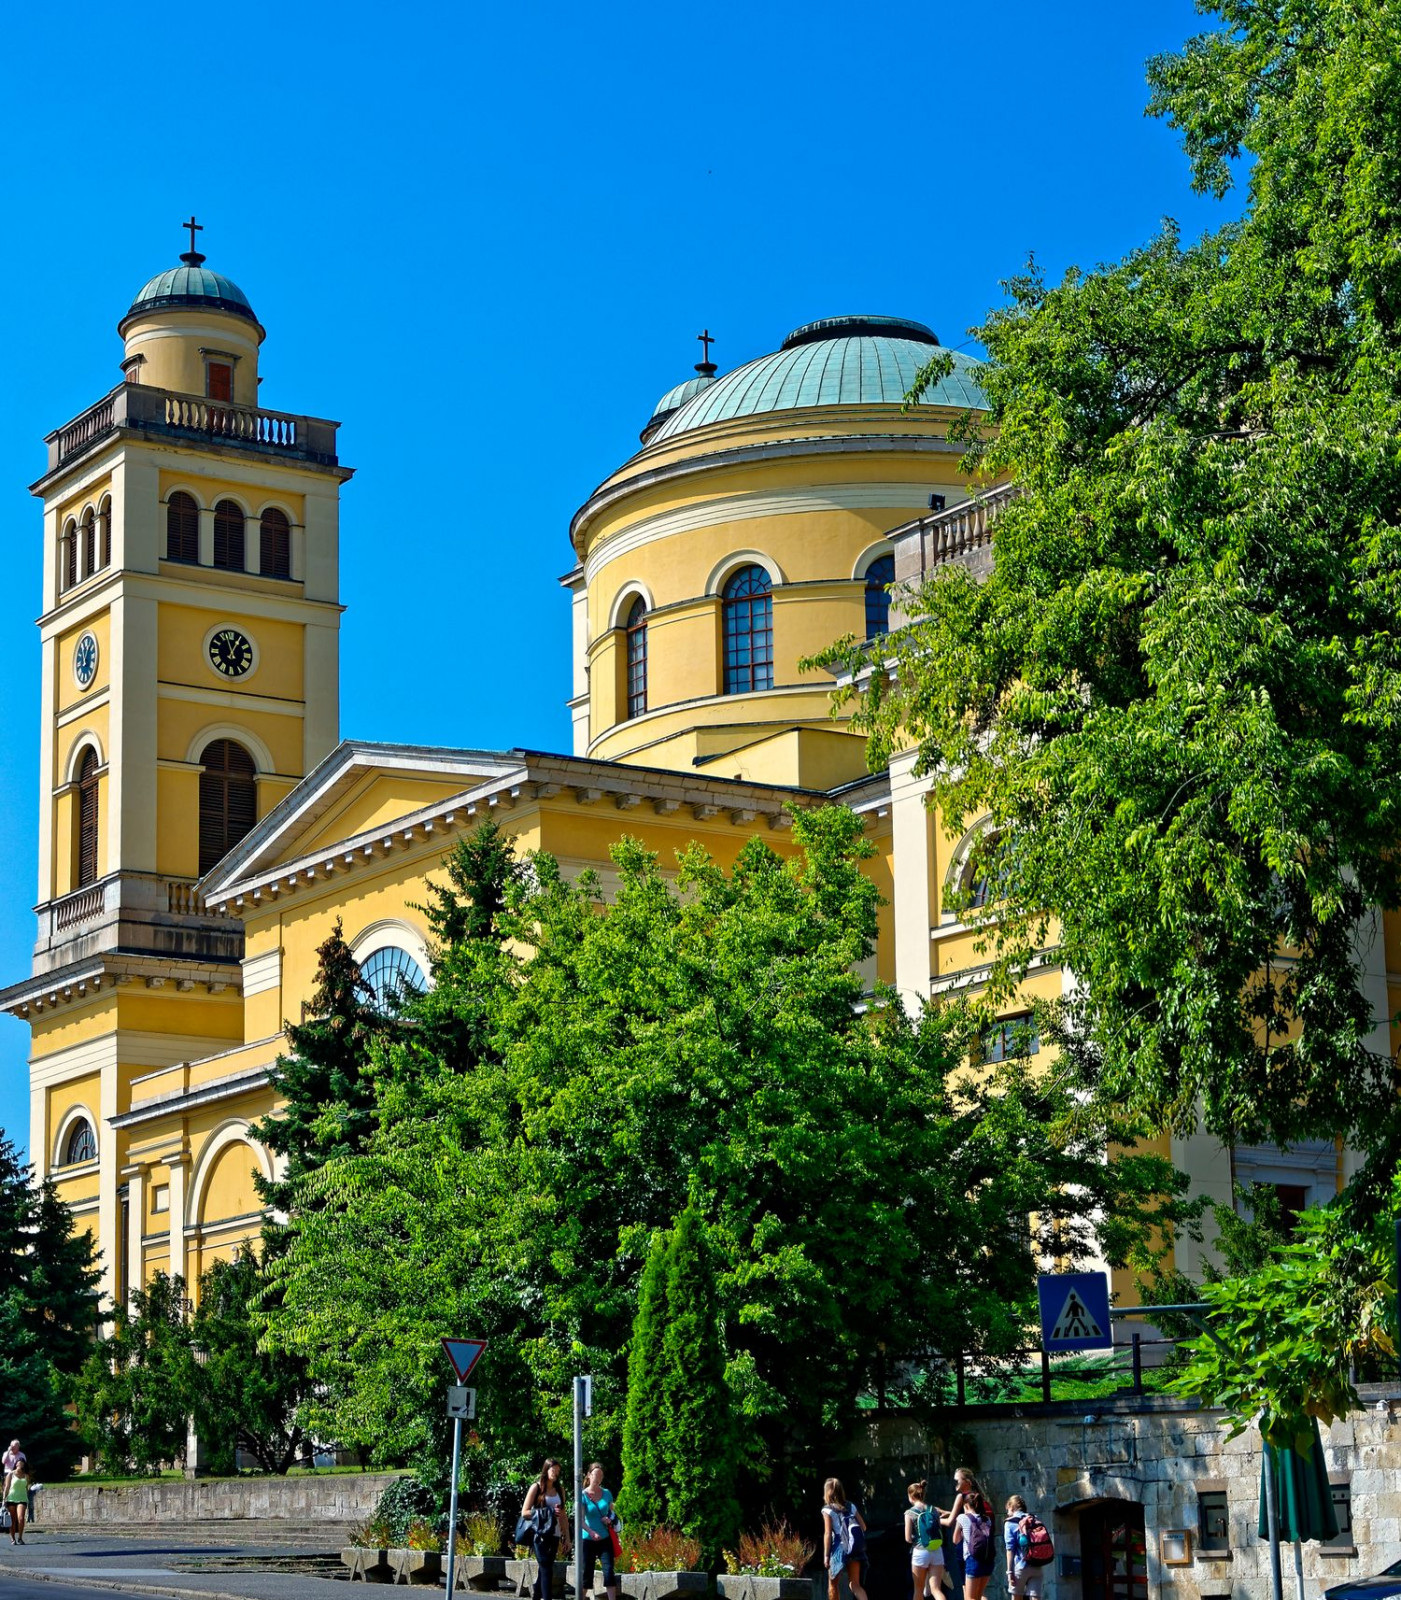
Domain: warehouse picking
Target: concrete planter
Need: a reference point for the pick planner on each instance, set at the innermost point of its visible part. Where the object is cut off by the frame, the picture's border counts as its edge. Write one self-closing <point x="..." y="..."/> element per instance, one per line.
<point x="369" y="1566"/>
<point x="744" y="1586"/>
<point x="520" y="1576"/>
<point x="661" y="1585"/>
<point x="482" y="1572"/>
<point x="416" y="1566"/>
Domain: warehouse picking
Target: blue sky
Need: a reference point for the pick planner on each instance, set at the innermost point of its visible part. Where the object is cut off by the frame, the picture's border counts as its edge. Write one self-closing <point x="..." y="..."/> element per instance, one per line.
<point x="484" y="239"/>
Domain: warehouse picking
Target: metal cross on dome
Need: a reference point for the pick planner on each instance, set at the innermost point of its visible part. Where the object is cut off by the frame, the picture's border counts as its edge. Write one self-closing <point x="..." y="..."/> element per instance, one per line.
<point x="194" y="227"/>
<point x="706" y="340"/>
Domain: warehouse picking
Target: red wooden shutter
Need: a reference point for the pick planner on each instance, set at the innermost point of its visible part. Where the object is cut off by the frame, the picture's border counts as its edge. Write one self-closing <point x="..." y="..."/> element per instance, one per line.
<point x="220" y="380"/>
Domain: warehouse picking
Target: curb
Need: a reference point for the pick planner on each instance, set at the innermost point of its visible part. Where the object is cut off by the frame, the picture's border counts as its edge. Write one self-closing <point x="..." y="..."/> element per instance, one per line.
<point x="135" y="1586"/>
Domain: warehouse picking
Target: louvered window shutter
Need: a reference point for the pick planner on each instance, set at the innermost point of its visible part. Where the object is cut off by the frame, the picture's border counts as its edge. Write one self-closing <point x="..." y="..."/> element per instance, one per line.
<point x="276" y="547"/>
<point x="228" y="536"/>
<point x="228" y="800"/>
<point x="87" y="820"/>
<point x="181" y="529"/>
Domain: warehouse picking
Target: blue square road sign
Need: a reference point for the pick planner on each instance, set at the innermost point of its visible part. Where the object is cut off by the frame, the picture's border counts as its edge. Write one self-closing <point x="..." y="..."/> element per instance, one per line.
<point x="1075" y="1311"/>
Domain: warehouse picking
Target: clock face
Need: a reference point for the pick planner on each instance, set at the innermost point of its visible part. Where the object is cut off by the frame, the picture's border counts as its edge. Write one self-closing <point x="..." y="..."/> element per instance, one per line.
<point x="230" y="653"/>
<point x="85" y="660"/>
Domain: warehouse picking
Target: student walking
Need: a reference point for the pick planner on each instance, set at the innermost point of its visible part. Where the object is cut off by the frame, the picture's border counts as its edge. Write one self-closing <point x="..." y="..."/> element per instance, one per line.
<point x="1029" y="1550"/>
<point x="843" y="1540"/>
<point x="17" y="1500"/>
<point x="600" y="1522"/>
<point x="544" y="1509"/>
<point x="925" y="1537"/>
<point x="971" y="1520"/>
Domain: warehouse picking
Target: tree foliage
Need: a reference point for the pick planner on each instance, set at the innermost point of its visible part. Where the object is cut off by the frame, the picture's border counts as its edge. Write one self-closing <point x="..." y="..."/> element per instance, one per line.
<point x="706" y="1041"/>
<point x="48" y="1314"/>
<point x="642" y="1499"/>
<point x="1177" y="693"/>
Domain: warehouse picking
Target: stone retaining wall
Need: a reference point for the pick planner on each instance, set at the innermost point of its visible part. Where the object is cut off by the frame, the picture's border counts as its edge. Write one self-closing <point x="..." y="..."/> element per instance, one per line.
<point x="345" y="1499"/>
<point x="1073" y="1462"/>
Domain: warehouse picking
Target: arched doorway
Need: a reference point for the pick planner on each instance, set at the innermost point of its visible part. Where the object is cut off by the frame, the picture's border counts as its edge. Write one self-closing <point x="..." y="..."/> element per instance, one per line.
<point x="1113" y="1551"/>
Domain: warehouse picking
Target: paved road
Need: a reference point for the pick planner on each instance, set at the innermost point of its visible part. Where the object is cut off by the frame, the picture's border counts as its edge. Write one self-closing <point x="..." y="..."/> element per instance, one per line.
<point x="17" y="1587"/>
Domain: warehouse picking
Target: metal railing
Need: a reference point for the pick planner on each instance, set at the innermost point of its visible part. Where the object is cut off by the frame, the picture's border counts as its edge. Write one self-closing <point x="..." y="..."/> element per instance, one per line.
<point x="1029" y="1375"/>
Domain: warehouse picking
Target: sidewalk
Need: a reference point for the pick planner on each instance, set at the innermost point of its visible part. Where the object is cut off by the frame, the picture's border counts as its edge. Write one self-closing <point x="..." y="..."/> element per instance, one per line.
<point x="154" y="1565"/>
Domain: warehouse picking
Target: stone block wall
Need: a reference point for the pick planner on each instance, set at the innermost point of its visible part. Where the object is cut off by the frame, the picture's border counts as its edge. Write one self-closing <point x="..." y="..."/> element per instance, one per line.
<point x="339" y="1499"/>
<point x="1076" y="1463"/>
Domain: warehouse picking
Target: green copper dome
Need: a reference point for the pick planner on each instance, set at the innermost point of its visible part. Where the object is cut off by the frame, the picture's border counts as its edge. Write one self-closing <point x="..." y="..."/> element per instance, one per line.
<point x="838" y="361"/>
<point x="192" y="285"/>
<point x="676" y="397"/>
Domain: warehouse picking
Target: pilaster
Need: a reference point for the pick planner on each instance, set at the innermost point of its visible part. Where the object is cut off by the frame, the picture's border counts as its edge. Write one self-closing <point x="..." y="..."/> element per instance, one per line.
<point x="911" y="825"/>
<point x="179" y="1166"/>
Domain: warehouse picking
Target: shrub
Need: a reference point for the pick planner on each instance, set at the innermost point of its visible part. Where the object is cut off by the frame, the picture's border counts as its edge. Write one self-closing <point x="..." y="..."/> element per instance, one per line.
<point x="422" y="1535"/>
<point x="372" y="1534"/>
<point x="659" y="1550"/>
<point x="405" y="1501"/>
<point x="774" y="1551"/>
<point x="480" y="1536"/>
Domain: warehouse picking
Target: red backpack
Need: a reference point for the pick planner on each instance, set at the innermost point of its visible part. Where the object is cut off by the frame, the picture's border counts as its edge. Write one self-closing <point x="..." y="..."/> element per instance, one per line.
<point x="1040" y="1550"/>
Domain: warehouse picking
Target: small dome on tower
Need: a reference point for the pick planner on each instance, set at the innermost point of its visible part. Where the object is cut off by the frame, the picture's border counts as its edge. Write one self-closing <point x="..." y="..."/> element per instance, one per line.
<point x="192" y="286"/>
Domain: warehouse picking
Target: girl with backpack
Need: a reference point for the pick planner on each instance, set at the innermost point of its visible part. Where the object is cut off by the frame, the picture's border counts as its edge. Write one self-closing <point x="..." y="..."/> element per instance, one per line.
<point x="924" y="1535"/>
<point x="1029" y="1549"/>
<point x="843" y="1540"/>
<point x="545" y="1511"/>
<point x="971" y="1518"/>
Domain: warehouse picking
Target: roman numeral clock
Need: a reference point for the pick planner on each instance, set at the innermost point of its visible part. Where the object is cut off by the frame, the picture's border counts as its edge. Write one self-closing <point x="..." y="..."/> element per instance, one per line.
<point x="230" y="652"/>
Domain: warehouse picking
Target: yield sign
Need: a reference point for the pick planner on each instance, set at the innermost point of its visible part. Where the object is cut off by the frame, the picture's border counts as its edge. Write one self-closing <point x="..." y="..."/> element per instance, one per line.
<point x="464" y="1354"/>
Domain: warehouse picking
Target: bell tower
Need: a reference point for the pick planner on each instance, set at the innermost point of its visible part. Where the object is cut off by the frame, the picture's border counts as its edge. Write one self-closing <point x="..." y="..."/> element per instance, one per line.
<point x="190" y="665"/>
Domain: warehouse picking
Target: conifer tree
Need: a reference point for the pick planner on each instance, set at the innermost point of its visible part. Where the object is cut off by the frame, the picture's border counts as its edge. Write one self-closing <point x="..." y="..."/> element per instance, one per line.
<point x="698" y="1438"/>
<point x="328" y="1093"/>
<point x="642" y="1498"/>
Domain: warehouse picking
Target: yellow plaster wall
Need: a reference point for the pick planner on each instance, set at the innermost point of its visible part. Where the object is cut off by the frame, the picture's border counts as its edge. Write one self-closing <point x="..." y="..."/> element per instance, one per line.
<point x="172" y="341"/>
<point x="66" y="685"/>
<point x="182" y="658"/>
<point x="370" y="804"/>
<point x="208" y="489"/>
<point x="228" y="1190"/>
<point x="75" y="504"/>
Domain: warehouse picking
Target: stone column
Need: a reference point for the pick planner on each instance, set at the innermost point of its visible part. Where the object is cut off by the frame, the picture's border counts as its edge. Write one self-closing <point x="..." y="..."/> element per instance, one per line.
<point x="136" y="1179"/>
<point x="179" y="1182"/>
<point x="910" y="830"/>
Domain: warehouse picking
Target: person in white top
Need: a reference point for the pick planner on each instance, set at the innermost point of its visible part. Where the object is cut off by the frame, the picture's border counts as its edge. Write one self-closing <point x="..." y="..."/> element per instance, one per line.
<point x="544" y="1505"/>
<point x="924" y="1535"/>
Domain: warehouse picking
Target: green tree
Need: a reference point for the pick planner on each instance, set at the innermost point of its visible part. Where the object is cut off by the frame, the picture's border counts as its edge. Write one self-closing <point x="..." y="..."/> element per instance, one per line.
<point x="327" y="1096"/>
<point x="642" y="1499"/>
<point x="701" y="1040"/>
<point x="697" y="1441"/>
<point x="1177" y="692"/>
<point x="34" y="1397"/>
<point x="136" y="1392"/>
<point x="243" y="1397"/>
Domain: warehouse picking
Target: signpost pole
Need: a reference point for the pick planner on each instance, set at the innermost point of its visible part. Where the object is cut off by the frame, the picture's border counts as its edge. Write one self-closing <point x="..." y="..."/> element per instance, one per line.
<point x="578" y="1489"/>
<point x="452" y="1504"/>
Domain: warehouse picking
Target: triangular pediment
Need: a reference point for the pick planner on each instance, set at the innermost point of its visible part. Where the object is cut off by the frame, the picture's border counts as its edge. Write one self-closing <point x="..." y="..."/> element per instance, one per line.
<point x="358" y="787"/>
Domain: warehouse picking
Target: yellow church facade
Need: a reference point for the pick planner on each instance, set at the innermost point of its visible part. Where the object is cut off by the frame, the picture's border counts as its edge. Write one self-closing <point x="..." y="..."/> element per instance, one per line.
<point x="202" y="825"/>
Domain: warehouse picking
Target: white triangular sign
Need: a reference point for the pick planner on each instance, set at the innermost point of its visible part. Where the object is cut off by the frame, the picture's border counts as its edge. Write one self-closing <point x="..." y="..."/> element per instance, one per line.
<point x="1075" y="1321"/>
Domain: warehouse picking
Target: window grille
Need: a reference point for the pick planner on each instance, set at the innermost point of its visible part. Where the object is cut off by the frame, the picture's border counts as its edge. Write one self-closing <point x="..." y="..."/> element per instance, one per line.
<point x="636" y="636"/>
<point x="879" y="575"/>
<point x="747" y="606"/>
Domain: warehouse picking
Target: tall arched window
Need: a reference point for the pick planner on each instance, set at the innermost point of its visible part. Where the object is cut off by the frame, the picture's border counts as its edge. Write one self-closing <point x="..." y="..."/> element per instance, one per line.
<point x="89" y="542"/>
<point x="275" y="544"/>
<point x="228" y="800"/>
<point x="80" y="1145"/>
<point x="228" y="536"/>
<point x="879" y="576"/>
<point x="394" y="977"/>
<point x="104" y="531"/>
<point x="181" y="528"/>
<point x="68" y="555"/>
<point x="87" y="818"/>
<point x="636" y="636"/>
<point x="747" y="606"/>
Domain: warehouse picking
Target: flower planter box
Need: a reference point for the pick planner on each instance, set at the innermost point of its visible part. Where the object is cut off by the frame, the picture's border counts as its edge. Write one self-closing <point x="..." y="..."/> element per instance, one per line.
<point x="481" y="1572"/>
<point x="520" y="1576"/>
<point x="744" y="1586"/>
<point x="369" y="1566"/>
<point x="416" y="1566"/>
<point x="658" y="1585"/>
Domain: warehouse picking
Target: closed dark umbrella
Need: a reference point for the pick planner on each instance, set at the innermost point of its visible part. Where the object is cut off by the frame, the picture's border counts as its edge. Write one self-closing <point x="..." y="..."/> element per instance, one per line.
<point x="1303" y="1499"/>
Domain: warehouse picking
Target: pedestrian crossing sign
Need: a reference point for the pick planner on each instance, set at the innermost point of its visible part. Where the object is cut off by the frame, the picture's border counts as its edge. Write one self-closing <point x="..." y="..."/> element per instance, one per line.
<point x="1074" y="1311"/>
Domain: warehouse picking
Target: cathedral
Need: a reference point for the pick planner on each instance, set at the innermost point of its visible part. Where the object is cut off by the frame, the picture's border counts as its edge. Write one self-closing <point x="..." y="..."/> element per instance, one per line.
<point x="202" y="824"/>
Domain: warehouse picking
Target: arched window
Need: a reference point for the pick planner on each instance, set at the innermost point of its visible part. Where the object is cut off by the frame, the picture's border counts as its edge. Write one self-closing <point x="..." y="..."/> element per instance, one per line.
<point x="80" y="1145"/>
<point x="636" y="636"/>
<point x="68" y="555"/>
<point x="393" y="976"/>
<point x="228" y="800"/>
<point x="985" y="880"/>
<point x="181" y="528"/>
<point x="275" y="544"/>
<point x="89" y="543"/>
<point x="87" y="818"/>
<point x="748" y="616"/>
<point x="228" y="536"/>
<point x="879" y="576"/>
<point x="104" y="531"/>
